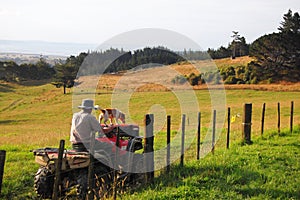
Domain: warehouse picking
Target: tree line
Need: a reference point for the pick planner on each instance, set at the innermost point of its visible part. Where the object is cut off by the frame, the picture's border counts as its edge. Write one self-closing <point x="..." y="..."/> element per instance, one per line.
<point x="276" y="58"/>
<point x="12" y="72"/>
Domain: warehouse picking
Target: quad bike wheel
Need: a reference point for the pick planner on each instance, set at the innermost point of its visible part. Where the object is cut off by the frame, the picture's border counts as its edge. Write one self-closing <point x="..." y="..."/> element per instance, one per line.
<point x="101" y="183"/>
<point x="82" y="182"/>
<point x="43" y="183"/>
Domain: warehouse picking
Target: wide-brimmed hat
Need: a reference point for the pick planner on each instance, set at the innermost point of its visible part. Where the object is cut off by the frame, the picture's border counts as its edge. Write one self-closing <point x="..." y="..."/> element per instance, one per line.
<point x="88" y="104"/>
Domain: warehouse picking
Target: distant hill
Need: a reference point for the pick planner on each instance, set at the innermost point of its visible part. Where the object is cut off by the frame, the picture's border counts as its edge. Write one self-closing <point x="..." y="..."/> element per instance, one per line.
<point x="44" y="48"/>
<point x="21" y="58"/>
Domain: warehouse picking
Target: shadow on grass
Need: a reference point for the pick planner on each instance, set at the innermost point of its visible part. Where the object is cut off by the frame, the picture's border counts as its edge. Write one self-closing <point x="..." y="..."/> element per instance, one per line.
<point x="3" y="122"/>
<point x="227" y="181"/>
<point x="35" y="82"/>
<point x="6" y="88"/>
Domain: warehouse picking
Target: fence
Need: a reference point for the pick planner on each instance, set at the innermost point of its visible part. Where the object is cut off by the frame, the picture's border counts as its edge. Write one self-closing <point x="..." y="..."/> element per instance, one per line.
<point x="149" y="142"/>
<point x="246" y="130"/>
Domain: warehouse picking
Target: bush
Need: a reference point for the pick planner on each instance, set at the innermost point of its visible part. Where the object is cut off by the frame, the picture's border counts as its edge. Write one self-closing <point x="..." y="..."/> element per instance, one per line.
<point x="254" y="80"/>
<point x="194" y="79"/>
<point x="226" y="72"/>
<point x="231" y="80"/>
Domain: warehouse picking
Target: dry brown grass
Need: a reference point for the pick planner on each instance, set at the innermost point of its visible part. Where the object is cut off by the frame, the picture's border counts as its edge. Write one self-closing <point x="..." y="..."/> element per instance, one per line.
<point x="226" y="62"/>
<point x="150" y="77"/>
<point x="187" y="68"/>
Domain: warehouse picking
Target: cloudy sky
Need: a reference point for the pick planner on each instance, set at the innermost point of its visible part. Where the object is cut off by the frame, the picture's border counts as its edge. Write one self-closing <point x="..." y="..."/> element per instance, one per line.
<point x="207" y="22"/>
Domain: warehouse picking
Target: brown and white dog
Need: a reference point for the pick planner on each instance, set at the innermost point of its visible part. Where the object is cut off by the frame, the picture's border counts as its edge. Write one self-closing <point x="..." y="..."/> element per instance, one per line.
<point x="110" y="114"/>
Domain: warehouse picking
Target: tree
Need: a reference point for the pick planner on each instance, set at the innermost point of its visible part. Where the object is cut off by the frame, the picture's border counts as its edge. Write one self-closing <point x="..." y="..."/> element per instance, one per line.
<point x="236" y="40"/>
<point x="238" y="45"/>
<point x="291" y="23"/>
<point x="65" y="75"/>
<point x="278" y="54"/>
<point x="221" y="52"/>
<point x="290" y="29"/>
<point x="9" y="71"/>
<point x="66" y="72"/>
<point x="44" y="69"/>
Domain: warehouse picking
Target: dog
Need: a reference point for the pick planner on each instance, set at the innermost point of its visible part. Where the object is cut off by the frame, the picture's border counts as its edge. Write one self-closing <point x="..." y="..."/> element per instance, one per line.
<point x="110" y="114"/>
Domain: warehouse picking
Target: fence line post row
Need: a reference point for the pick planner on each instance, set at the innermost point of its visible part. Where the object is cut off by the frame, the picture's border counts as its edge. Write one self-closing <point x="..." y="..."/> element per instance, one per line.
<point x="246" y="121"/>
<point x="278" y="117"/>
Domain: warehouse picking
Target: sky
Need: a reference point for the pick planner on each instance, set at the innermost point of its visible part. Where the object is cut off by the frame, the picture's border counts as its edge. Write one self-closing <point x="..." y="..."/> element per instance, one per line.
<point x="207" y="22"/>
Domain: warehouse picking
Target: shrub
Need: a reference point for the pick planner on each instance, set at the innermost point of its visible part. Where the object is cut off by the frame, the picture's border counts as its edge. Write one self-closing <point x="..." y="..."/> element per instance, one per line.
<point x="194" y="79"/>
<point x="230" y="80"/>
<point x="254" y="80"/>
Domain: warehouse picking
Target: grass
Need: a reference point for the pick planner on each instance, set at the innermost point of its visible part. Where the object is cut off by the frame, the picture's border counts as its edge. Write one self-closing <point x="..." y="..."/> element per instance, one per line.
<point x="40" y="115"/>
<point x="19" y="172"/>
<point x="267" y="169"/>
<point x="239" y="61"/>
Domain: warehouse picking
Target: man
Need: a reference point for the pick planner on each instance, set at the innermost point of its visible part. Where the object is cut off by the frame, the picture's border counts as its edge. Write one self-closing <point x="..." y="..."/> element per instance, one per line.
<point x="83" y="124"/>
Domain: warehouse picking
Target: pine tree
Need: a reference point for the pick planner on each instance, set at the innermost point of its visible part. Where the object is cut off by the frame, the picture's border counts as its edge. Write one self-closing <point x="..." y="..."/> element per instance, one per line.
<point x="65" y="75"/>
<point x="278" y="54"/>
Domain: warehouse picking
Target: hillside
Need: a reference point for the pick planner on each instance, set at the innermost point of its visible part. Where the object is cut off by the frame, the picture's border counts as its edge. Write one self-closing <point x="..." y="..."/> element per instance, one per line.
<point x="163" y="76"/>
<point x="187" y="68"/>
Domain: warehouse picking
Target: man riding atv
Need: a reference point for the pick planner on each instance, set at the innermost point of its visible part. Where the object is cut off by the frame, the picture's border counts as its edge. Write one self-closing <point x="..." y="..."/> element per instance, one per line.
<point x="114" y="153"/>
<point x="83" y="123"/>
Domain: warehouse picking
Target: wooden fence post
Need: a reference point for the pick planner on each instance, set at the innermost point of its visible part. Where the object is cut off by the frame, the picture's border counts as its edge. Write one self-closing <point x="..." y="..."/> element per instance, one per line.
<point x="247" y="123"/>
<point x="228" y="128"/>
<point x="292" y="116"/>
<point x="58" y="170"/>
<point x="168" y="142"/>
<point x="263" y="118"/>
<point x="182" y="140"/>
<point x="2" y="163"/>
<point x="278" y="113"/>
<point x="91" y="167"/>
<point x="116" y="165"/>
<point x="198" y="135"/>
<point x="213" y="133"/>
<point x="148" y="147"/>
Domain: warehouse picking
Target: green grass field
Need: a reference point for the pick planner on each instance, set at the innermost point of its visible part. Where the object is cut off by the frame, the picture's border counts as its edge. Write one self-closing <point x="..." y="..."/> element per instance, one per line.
<point x="268" y="169"/>
<point x="39" y="116"/>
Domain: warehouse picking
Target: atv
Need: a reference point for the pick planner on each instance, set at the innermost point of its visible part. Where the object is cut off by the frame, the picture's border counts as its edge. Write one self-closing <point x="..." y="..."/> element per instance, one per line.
<point x="122" y="162"/>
